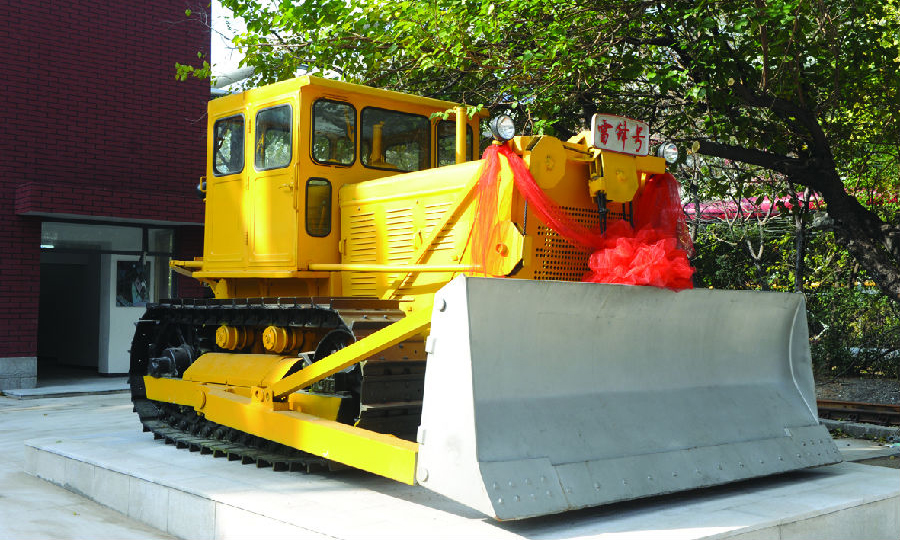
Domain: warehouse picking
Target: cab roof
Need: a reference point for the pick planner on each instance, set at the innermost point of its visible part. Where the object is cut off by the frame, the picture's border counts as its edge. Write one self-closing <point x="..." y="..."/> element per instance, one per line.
<point x="263" y="93"/>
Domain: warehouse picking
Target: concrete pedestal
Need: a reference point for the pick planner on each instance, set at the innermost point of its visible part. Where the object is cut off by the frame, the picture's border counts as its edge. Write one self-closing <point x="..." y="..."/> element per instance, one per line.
<point x="198" y="497"/>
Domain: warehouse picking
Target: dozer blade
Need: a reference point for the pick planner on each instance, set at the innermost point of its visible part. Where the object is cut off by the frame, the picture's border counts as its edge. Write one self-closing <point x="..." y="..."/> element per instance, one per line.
<point x="542" y="397"/>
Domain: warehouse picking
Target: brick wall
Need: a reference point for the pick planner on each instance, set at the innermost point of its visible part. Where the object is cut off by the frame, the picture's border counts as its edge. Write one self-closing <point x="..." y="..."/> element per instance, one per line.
<point x="94" y="125"/>
<point x="19" y="286"/>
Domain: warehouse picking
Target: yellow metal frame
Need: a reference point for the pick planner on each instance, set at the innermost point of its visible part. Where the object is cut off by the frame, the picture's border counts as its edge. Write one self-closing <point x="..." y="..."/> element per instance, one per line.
<point x="407" y="327"/>
<point x="247" y="392"/>
<point x="239" y="370"/>
<point x="384" y="455"/>
<point x="406" y="268"/>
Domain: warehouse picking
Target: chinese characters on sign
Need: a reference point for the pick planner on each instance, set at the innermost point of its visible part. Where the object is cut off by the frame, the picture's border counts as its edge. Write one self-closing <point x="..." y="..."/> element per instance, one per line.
<point x="620" y="134"/>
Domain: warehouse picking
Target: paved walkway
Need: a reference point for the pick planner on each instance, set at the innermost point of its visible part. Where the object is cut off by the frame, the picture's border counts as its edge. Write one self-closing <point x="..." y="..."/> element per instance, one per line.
<point x="31" y="508"/>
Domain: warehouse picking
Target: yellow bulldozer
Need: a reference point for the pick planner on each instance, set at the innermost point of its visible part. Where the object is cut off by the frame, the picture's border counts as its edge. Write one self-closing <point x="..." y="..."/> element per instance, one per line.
<point x="352" y="322"/>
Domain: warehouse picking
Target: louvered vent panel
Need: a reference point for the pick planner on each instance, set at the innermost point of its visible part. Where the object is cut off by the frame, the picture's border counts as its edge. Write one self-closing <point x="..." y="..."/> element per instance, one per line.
<point x="400" y="229"/>
<point x="434" y="213"/>
<point x="361" y="248"/>
<point x="556" y="258"/>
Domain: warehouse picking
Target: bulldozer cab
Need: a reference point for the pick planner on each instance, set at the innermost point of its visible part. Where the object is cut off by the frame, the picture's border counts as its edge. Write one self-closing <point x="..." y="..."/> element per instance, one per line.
<point x="278" y="157"/>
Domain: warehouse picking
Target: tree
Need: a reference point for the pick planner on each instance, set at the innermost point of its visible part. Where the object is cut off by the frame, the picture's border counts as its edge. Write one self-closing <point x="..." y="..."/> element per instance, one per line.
<point x="804" y="88"/>
<point x="748" y="216"/>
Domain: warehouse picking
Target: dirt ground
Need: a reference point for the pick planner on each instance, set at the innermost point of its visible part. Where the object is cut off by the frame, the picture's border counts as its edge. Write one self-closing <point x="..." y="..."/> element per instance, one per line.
<point x="863" y="390"/>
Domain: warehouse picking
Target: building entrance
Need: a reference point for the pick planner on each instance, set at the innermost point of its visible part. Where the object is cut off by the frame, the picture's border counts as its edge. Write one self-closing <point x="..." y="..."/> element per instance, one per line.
<point x="96" y="280"/>
<point x="68" y="316"/>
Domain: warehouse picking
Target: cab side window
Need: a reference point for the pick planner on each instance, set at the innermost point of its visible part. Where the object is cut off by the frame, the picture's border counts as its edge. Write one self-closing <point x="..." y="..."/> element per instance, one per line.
<point x="334" y="132"/>
<point x="318" y="207"/>
<point x="446" y="143"/>
<point x="228" y="145"/>
<point x="394" y="140"/>
<point x="273" y="138"/>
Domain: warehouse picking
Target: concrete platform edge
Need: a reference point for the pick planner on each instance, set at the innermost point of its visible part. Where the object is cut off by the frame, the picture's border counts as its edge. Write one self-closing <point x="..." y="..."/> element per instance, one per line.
<point x="178" y="512"/>
<point x="191" y="515"/>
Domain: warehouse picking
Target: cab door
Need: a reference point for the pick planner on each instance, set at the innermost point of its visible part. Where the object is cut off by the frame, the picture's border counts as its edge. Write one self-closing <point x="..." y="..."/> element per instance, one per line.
<point x="227" y="218"/>
<point x="273" y="231"/>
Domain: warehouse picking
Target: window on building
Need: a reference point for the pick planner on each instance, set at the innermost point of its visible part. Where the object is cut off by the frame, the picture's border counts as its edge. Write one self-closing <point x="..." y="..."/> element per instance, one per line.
<point x="228" y="145"/>
<point x="91" y="237"/>
<point x="446" y="142"/>
<point x="318" y="207"/>
<point x="162" y="241"/>
<point x="273" y="138"/>
<point x="153" y="244"/>
<point x="394" y="140"/>
<point x="334" y="132"/>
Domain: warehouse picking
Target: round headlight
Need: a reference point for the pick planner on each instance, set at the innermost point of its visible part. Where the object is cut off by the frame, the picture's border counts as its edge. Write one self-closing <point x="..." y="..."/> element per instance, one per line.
<point x="668" y="151"/>
<point x="503" y="128"/>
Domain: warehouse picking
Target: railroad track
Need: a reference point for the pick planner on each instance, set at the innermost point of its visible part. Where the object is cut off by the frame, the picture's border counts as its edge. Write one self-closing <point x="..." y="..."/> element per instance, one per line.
<point x="870" y="413"/>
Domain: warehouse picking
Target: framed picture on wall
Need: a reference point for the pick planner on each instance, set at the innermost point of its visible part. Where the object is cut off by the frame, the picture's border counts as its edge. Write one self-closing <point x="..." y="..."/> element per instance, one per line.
<point x="132" y="283"/>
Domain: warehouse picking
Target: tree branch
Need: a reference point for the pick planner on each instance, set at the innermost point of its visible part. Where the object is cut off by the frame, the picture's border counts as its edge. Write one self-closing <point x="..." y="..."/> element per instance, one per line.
<point x="793" y="167"/>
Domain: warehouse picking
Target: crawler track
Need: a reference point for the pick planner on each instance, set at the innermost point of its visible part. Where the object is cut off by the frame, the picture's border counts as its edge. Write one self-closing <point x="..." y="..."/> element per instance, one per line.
<point x="184" y="429"/>
<point x="385" y="393"/>
<point x="871" y="413"/>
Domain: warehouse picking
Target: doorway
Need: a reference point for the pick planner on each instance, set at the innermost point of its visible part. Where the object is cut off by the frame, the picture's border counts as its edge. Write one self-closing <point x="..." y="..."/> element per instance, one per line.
<point x="96" y="279"/>
<point x="68" y="316"/>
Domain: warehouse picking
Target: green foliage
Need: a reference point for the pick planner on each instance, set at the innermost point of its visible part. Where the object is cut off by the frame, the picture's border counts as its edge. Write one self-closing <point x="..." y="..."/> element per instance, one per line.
<point x="185" y="71"/>
<point x="722" y="262"/>
<point x="764" y="76"/>
<point x="853" y="331"/>
<point x="543" y="57"/>
<point x="512" y="55"/>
